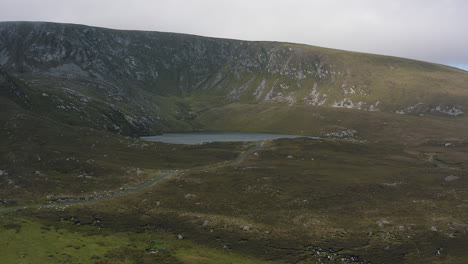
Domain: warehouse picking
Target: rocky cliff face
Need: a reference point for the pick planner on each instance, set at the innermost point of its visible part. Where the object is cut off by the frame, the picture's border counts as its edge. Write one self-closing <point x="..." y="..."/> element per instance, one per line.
<point x="136" y="82"/>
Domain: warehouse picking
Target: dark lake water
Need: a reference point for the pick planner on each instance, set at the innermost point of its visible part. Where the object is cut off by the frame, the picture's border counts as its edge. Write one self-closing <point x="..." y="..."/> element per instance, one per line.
<point x="204" y="137"/>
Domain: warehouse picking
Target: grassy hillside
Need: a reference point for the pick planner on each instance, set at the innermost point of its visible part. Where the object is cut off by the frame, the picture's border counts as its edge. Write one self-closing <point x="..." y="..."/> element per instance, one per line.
<point x="332" y="122"/>
<point x="139" y="83"/>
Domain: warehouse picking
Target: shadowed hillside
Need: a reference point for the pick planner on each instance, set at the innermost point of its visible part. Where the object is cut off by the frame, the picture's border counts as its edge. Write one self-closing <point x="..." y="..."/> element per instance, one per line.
<point x="137" y="82"/>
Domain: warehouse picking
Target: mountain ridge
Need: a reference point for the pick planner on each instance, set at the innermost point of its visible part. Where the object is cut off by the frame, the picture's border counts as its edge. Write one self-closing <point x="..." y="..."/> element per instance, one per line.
<point x="160" y="81"/>
<point x="225" y="38"/>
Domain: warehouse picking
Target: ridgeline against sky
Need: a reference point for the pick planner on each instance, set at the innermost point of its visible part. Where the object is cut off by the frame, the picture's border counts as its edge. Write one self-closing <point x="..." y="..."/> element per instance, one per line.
<point x="429" y="30"/>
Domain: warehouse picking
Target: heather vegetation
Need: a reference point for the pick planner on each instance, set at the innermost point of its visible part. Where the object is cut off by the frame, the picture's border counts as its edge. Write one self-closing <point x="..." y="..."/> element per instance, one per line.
<point x="382" y="179"/>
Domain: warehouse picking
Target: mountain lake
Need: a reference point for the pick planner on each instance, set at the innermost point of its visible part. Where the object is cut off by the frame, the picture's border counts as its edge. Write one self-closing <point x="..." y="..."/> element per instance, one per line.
<point x="193" y="138"/>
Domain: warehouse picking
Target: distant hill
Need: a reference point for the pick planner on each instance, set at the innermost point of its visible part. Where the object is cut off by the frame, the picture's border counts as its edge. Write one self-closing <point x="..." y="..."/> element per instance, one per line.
<point x="139" y="82"/>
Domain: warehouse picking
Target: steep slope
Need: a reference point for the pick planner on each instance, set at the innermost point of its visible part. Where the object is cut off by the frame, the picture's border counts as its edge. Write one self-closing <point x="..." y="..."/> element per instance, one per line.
<point x="43" y="159"/>
<point x="136" y="82"/>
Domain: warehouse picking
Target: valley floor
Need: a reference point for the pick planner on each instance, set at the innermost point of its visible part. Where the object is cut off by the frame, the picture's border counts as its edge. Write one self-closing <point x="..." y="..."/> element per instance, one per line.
<point x="288" y="201"/>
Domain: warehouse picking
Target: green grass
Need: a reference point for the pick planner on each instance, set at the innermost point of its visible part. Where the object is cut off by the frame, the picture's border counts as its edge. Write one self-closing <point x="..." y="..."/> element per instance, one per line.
<point x="327" y="199"/>
<point x="27" y="241"/>
<point x="319" y="121"/>
<point x="197" y="255"/>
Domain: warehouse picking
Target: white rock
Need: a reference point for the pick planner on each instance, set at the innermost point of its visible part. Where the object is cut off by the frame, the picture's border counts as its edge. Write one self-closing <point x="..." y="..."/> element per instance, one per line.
<point x="383" y="222"/>
<point x="449" y="110"/>
<point x="393" y="184"/>
<point x="451" y="178"/>
<point x="343" y="134"/>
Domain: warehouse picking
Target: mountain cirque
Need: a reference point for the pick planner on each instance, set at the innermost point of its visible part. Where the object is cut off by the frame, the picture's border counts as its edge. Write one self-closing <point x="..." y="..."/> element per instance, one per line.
<point x="137" y="82"/>
<point x="384" y="180"/>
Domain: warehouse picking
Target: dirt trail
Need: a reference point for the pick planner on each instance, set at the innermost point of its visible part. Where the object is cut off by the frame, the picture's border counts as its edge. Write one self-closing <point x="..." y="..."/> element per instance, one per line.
<point x="163" y="175"/>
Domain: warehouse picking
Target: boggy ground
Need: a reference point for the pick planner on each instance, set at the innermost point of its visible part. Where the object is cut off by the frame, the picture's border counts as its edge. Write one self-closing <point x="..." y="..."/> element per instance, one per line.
<point x="43" y="160"/>
<point x="293" y="201"/>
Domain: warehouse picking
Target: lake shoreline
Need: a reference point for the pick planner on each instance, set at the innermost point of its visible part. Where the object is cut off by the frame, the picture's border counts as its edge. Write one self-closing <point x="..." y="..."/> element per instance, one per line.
<point x="194" y="138"/>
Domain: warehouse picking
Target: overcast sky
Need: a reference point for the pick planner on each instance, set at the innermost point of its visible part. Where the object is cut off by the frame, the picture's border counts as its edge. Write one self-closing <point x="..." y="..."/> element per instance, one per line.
<point x="430" y="30"/>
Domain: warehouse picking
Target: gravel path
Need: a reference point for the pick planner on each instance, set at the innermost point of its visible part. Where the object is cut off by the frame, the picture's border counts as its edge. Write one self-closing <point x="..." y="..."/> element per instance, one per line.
<point x="163" y="175"/>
